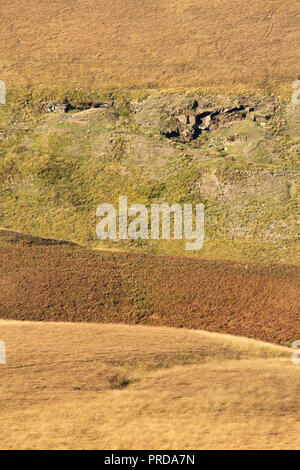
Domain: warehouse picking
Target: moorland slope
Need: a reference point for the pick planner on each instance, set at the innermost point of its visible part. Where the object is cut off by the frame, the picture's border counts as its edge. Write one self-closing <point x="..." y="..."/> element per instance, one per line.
<point x="62" y="154"/>
<point x="47" y="281"/>
<point x="126" y="43"/>
<point x="86" y="386"/>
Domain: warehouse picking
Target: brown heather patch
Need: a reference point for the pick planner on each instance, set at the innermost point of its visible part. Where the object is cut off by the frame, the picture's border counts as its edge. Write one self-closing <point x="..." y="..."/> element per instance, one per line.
<point x="65" y="283"/>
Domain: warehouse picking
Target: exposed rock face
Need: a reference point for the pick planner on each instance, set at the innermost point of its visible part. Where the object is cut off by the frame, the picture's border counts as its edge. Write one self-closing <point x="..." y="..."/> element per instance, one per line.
<point x="197" y="122"/>
<point x="56" y="107"/>
<point x="184" y="118"/>
<point x="247" y="184"/>
<point x="64" y="106"/>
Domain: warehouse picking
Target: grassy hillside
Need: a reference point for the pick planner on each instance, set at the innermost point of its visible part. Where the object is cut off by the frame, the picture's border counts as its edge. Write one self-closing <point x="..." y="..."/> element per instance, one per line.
<point x="70" y="386"/>
<point x="187" y="101"/>
<point x="57" y="167"/>
<point x="158" y="43"/>
<point x="48" y="281"/>
<point x="126" y="73"/>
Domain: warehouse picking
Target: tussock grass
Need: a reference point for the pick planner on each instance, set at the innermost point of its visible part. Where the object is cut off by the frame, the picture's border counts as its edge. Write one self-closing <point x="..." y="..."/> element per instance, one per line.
<point x="234" y="45"/>
<point x="71" y="386"/>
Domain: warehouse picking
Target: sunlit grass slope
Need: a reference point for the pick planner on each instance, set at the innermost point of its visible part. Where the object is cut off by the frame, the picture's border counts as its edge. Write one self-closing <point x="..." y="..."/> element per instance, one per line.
<point x="68" y="386"/>
<point x="157" y="43"/>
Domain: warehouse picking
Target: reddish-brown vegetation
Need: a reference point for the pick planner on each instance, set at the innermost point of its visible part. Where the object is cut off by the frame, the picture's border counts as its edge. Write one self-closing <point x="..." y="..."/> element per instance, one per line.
<point x="65" y="283"/>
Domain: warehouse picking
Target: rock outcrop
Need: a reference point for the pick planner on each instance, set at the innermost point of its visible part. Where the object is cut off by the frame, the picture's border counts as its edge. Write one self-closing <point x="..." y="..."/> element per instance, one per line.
<point x="192" y="122"/>
<point x="184" y="118"/>
<point x="64" y="106"/>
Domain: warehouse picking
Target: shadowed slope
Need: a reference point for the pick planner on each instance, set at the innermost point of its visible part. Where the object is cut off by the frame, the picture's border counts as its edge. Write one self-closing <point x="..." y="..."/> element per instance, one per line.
<point x="61" y="283"/>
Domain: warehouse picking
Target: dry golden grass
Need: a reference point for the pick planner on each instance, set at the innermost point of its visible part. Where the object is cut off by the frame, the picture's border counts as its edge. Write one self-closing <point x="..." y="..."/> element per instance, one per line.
<point x="142" y="43"/>
<point x="74" y="386"/>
